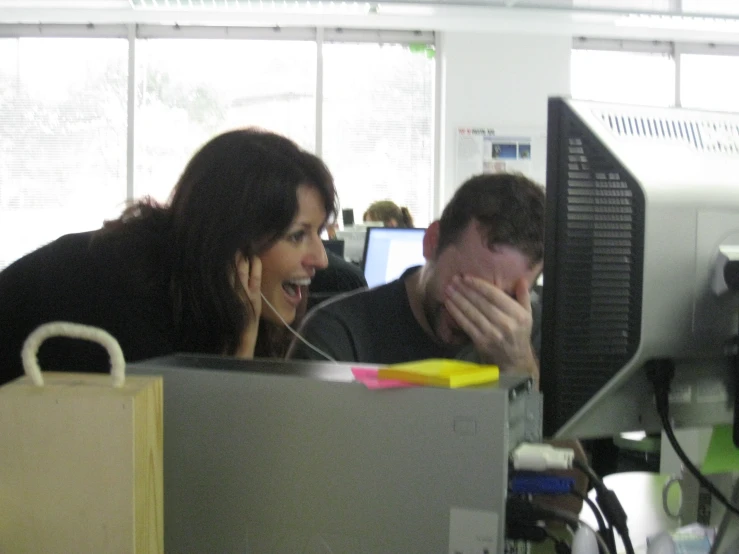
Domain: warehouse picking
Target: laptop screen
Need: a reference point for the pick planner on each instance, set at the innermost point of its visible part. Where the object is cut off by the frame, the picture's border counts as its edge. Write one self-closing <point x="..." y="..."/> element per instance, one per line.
<point x="389" y="251"/>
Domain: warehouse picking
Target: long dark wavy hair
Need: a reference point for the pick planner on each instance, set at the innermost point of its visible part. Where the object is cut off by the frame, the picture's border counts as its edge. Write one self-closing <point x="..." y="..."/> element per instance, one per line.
<point x="237" y="193"/>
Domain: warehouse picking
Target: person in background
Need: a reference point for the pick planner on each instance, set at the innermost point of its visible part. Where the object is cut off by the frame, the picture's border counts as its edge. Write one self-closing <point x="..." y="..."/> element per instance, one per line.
<point x="389" y="213"/>
<point x="219" y="269"/>
<point x="471" y="299"/>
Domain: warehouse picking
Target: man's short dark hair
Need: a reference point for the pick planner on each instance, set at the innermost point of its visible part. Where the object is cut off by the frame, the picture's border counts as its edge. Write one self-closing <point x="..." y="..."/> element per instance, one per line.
<point x="509" y="208"/>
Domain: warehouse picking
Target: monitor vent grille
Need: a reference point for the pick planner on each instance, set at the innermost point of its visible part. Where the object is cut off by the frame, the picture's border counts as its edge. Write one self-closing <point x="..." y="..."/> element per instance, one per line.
<point x="720" y="137"/>
<point x="599" y="279"/>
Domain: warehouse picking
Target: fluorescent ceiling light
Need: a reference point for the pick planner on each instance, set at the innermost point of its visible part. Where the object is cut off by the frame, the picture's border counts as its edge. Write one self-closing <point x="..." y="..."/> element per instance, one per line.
<point x="392" y="8"/>
<point x="67" y="4"/>
<point x="269" y="6"/>
<point x="679" y="23"/>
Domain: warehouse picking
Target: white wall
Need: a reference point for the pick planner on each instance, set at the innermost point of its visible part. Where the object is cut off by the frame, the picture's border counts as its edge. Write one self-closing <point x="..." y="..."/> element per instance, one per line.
<point x="502" y="82"/>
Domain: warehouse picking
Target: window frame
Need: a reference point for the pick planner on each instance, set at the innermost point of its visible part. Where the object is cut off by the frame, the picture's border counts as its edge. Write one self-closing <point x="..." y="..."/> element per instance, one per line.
<point x="674" y="49"/>
<point x="132" y="32"/>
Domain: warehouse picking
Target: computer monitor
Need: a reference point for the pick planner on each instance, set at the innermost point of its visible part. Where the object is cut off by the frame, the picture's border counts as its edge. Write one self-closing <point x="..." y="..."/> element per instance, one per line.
<point x="334" y="245"/>
<point x="389" y="251"/>
<point x="641" y="203"/>
<point x="354" y="238"/>
<point x="347" y="217"/>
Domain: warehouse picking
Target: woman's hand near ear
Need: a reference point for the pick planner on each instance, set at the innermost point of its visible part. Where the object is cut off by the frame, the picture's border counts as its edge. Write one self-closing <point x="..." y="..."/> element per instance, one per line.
<point x="249" y="273"/>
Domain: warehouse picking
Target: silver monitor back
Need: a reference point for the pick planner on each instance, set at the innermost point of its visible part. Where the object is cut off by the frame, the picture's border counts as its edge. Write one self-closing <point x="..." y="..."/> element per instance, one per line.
<point x="293" y="457"/>
<point x="639" y="202"/>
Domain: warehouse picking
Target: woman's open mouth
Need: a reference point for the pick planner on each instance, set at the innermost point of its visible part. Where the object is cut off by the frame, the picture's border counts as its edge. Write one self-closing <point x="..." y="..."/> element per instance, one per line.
<point x="292" y="289"/>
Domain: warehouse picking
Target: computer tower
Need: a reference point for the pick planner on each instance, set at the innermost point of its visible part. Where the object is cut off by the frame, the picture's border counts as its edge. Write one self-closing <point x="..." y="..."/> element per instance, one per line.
<point x="296" y="457"/>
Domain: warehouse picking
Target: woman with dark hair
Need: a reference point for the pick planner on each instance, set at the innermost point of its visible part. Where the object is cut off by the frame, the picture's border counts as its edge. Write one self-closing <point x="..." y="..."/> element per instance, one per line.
<point x="221" y="268"/>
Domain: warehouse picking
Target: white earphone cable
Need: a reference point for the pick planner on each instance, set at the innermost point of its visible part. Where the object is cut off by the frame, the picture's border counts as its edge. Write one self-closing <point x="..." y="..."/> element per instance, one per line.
<point x="294" y="332"/>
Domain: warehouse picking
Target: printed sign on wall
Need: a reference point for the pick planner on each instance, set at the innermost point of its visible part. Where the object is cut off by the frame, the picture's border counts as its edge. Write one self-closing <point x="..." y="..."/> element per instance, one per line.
<point x="481" y="150"/>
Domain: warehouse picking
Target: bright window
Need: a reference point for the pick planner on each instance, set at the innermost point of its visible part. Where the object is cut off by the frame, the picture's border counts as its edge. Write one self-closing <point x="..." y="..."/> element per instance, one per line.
<point x="715" y="7"/>
<point x="64" y="121"/>
<point x="623" y="77"/>
<point x="709" y="82"/>
<point x="62" y="138"/>
<point x="645" y="5"/>
<point x="189" y="90"/>
<point x="378" y="125"/>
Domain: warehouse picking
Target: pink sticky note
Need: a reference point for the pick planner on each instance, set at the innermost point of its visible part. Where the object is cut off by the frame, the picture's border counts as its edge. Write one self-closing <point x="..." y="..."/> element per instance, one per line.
<point x="368" y="377"/>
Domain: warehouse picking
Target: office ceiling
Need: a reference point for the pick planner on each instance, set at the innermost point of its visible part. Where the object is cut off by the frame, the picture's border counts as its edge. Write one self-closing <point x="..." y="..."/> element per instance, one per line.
<point x="708" y="21"/>
<point x="713" y="7"/>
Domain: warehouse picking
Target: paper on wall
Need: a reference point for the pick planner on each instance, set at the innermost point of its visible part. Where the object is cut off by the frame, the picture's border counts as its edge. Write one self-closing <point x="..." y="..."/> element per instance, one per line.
<point x="482" y="150"/>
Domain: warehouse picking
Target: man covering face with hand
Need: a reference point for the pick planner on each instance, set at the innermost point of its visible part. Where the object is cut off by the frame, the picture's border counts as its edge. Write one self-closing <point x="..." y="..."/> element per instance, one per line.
<point x="471" y="299"/>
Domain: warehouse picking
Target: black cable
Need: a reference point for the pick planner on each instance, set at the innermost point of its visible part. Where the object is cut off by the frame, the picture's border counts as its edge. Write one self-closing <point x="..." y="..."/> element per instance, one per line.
<point x="735" y="363"/>
<point x="661" y="373"/>
<point x="606" y="532"/>
<point x="533" y="532"/>
<point x="571" y="519"/>
<point x="517" y="530"/>
<point x="609" y="504"/>
<point x="593" y="508"/>
<point x="560" y="546"/>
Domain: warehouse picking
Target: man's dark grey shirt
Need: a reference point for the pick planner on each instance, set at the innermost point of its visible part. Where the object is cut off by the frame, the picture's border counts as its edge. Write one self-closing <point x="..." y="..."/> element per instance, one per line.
<point x="376" y="326"/>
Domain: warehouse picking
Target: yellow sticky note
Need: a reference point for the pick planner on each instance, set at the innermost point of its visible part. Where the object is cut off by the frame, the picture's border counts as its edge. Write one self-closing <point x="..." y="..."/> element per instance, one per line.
<point x="441" y="373"/>
<point x="722" y="455"/>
